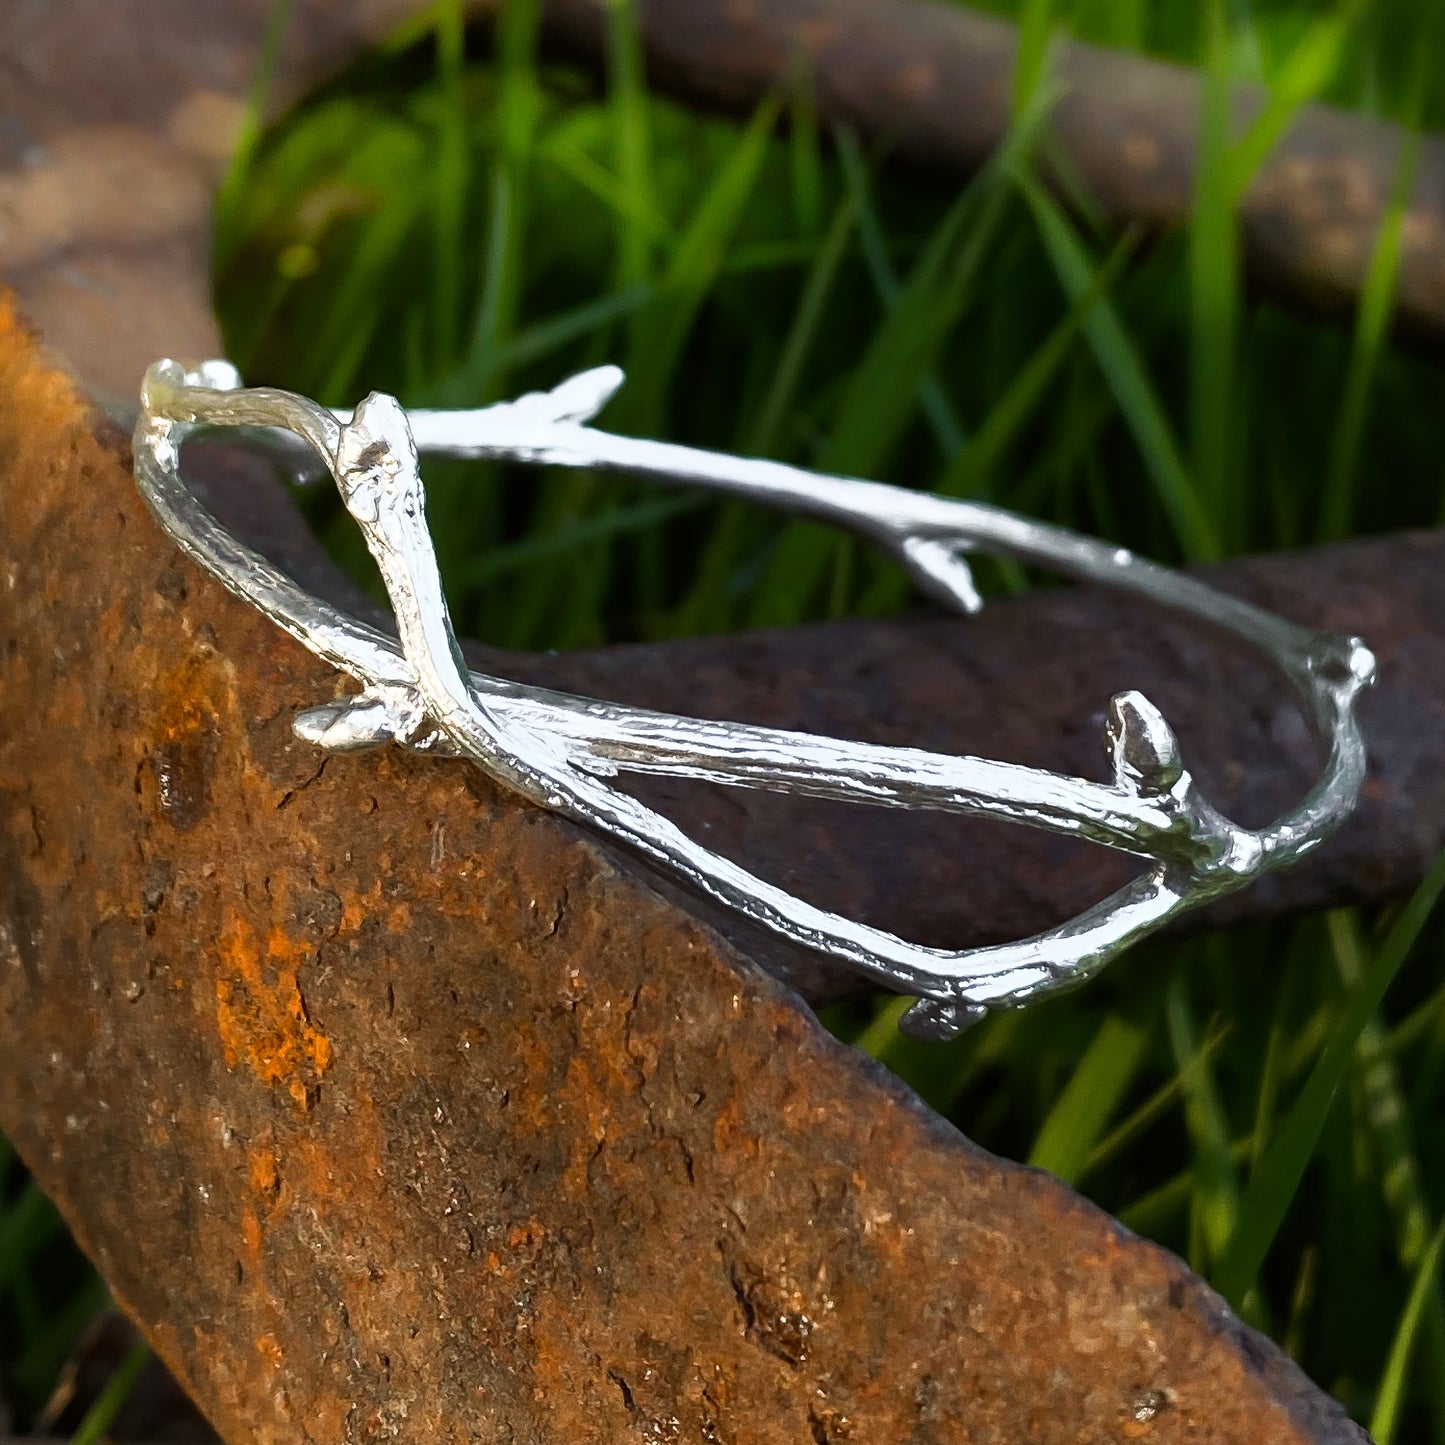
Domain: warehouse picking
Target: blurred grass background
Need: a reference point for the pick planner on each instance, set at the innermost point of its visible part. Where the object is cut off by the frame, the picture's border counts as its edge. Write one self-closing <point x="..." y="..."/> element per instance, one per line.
<point x="462" y="223"/>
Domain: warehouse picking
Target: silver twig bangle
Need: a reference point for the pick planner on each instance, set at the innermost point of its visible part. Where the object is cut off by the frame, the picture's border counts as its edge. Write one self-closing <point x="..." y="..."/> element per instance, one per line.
<point x="562" y="752"/>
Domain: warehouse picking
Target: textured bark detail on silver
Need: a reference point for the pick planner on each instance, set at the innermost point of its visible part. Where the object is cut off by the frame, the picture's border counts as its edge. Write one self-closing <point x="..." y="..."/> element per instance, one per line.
<point x="561" y="751"/>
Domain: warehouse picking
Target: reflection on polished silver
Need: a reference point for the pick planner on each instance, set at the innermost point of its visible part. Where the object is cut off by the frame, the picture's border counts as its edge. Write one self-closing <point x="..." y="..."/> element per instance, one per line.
<point x="563" y="752"/>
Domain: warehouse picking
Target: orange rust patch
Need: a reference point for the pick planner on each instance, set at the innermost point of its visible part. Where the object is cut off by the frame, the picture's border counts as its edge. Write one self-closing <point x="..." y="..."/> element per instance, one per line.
<point x="251" y="1233"/>
<point x="532" y="1233"/>
<point x="111" y="627"/>
<point x="260" y="1014"/>
<point x="1141" y="151"/>
<point x="597" y="1080"/>
<point x="728" y="1135"/>
<point x="356" y="908"/>
<point x="187" y="736"/>
<point x="269" y="1348"/>
<point x="326" y="1418"/>
<point x="54" y="419"/>
<point x="311" y="1176"/>
<point x="264" y="1175"/>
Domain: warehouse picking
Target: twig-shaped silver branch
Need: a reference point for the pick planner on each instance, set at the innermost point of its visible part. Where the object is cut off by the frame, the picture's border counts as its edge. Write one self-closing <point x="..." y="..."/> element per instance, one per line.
<point x="562" y="752"/>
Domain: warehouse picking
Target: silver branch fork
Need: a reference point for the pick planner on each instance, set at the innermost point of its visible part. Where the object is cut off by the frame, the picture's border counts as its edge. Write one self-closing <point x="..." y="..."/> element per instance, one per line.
<point x="563" y="752"/>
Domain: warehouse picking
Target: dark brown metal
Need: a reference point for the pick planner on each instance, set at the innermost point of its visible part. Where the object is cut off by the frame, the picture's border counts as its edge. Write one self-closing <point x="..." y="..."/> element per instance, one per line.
<point x="417" y="1114"/>
<point x="390" y="1107"/>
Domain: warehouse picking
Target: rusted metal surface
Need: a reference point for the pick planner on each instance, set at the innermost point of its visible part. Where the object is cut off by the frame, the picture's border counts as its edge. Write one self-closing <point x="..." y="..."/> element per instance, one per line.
<point x="419" y="1115"/>
<point x="420" y="1118"/>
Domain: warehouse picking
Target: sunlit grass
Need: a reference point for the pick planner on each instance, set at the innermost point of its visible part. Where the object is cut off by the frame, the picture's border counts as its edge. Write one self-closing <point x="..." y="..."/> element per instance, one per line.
<point x="1267" y="1102"/>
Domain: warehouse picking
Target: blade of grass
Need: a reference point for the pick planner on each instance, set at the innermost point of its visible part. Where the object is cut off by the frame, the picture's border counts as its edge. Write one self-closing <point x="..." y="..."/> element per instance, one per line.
<point x="1312" y="65"/>
<point x="705" y="606"/>
<point x="1155" y="1106"/>
<point x="1082" y="419"/>
<point x="967" y="475"/>
<point x="882" y="1033"/>
<point x="1149" y="1214"/>
<point x="1267" y="1099"/>
<point x="1122" y="23"/>
<point x="563" y="152"/>
<point x="880" y="396"/>
<point x="1309" y="68"/>
<point x="540" y="546"/>
<point x="1302" y="1300"/>
<point x="661" y="329"/>
<point x="1300" y="966"/>
<point x="231" y="197"/>
<point x="882" y="393"/>
<point x="1216" y="1198"/>
<point x="1372" y="324"/>
<point x="543" y="338"/>
<point x="782" y="390"/>
<point x="1119" y="360"/>
<point x="1083" y="1110"/>
<point x="352" y="316"/>
<point x="1388" y="1115"/>
<point x="450" y="176"/>
<point x="805" y="152"/>
<point x="504" y="268"/>
<point x="1431" y="1016"/>
<point x="1214" y="283"/>
<point x="1397" y="1171"/>
<point x="25" y="1225"/>
<point x="1385" y="1418"/>
<point x="1035" y="26"/>
<point x="934" y="401"/>
<point x="1275" y="1183"/>
<point x="630" y="115"/>
<point x="560" y="595"/>
<point x="1421" y="1021"/>
<point x="983" y="1046"/>
<point x="102" y="1415"/>
<point x="33" y="1371"/>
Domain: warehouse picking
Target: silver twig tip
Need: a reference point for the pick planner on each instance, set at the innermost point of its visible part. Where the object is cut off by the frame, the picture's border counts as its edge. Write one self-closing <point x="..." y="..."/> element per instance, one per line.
<point x="563" y="752"/>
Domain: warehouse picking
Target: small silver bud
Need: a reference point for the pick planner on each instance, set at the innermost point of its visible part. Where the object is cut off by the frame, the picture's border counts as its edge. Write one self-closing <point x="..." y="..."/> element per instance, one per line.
<point x="1142" y="746"/>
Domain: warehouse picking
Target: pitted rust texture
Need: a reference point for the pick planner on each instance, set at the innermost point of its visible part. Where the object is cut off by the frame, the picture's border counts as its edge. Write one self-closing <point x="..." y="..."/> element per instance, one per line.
<point x="419" y="1119"/>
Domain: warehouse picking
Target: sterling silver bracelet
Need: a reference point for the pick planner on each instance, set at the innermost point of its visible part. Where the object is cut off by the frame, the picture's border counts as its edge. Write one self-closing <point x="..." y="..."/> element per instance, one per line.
<point x="563" y="752"/>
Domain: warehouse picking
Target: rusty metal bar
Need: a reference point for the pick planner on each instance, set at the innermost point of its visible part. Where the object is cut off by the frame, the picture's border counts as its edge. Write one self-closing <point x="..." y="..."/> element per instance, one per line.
<point x="419" y="1115"/>
<point x="416" y="1115"/>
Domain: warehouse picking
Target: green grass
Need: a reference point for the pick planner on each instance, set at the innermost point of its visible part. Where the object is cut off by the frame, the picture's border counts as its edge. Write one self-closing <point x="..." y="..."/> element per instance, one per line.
<point x="458" y="226"/>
